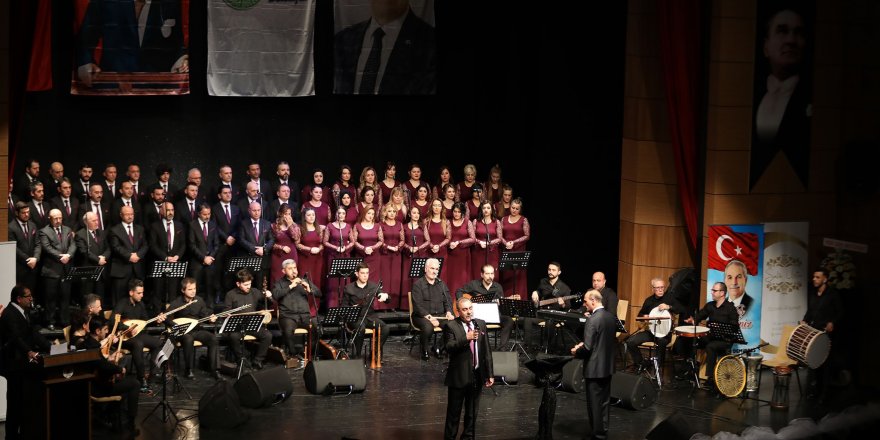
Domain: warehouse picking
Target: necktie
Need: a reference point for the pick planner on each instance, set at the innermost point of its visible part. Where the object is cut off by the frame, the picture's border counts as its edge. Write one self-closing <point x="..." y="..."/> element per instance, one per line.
<point x="192" y="211"/>
<point x="205" y="231"/>
<point x="67" y="207"/>
<point x="58" y="231"/>
<point x="40" y="208"/>
<point x="25" y="229"/>
<point x="371" y="68"/>
<point x="168" y="233"/>
<point x="135" y="195"/>
<point x="94" y="236"/>
<point x="165" y="187"/>
<point x="473" y="345"/>
<point x="100" y="218"/>
<point x="256" y="232"/>
<point x="112" y="189"/>
<point x="128" y="203"/>
<point x="130" y="235"/>
<point x="228" y="218"/>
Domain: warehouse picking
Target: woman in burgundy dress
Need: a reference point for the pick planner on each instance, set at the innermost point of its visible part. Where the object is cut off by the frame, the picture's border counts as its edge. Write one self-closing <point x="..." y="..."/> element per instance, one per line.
<point x="347" y="202"/>
<point x="415" y="244"/>
<point x="397" y="201"/>
<point x="422" y="201"/>
<point x="415" y="179"/>
<point x="445" y="178"/>
<point x="475" y="202"/>
<point x="493" y="187"/>
<point x="502" y="208"/>
<point x="344" y="183"/>
<point x="337" y="244"/>
<point x="367" y="238"/>
<point x="514" y="235"/>
<point x="367" y="200"/>
<point x="466" y="186"/>
<point x="310" y="248"/>
<point x="449" y="199"/>
<point x="487" y="237"/>
<point x="438" y="231"/>
<point x="389" y="182"/>
<point x="368" y="178"/>
<point x="390" y="266"/>
<point x="317" y="180"/>
<point x="457" y="266"/>
<point x="316" y="203"/>
<point x="286" y="234"/>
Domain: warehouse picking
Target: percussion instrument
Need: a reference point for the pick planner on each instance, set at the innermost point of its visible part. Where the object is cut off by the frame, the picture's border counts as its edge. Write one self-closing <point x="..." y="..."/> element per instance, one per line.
<point x="808" y="345"/>
<point x="659" y="322"/>
<point x="753" y="362"/>
<point x="691" y="331"/>
<point x="730" y="375"/>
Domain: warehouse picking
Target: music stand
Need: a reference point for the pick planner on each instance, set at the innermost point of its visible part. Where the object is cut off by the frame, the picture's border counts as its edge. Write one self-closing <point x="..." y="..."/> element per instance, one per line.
<point x="165" y="270"/>
<point x="343" y="268"/>
<point x="83" y="273"/>
<point x="514" y="261"/>
<point x="163" y="357"/>
<point x="249" y="323"/>
<point x="339" y="316"/>
<point x="726" y="332"/>
<point x="516" y="308"/>
<point x="417" y="269"/>
<point x="481" y="298"/>
<point x="254" y="263"/>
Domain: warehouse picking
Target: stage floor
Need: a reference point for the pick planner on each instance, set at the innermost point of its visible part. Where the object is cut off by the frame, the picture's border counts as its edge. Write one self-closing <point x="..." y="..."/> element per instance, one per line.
<point x="407" y="400"/>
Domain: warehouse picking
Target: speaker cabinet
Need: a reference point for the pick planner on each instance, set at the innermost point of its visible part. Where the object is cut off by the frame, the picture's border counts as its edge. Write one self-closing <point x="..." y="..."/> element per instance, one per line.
<point x="263" y="388"/>
<point x="328" y="376"/>
<point x="573" y="377"/>
<point x="633" y="390"/>
<point x="506" y="366"/>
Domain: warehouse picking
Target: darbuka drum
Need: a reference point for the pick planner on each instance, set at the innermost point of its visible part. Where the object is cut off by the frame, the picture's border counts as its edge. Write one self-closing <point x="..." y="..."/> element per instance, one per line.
<point x="808" y="345"/>
<point x="730" y="375"/>
<point x="692" y="331"/>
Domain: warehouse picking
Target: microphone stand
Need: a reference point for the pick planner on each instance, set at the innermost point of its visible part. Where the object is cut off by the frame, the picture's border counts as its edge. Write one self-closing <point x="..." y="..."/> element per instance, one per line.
<point x="360" y="325"/>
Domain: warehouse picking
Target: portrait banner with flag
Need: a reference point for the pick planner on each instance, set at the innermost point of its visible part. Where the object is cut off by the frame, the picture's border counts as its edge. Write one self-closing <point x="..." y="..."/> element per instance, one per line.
<point x="261" y="48"/>
<point x="735" y="259"/>
<point x="131" y="47"/>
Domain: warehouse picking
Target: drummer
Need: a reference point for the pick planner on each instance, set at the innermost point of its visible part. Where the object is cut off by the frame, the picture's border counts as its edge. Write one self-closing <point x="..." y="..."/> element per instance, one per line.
<point x="720" y="309"/>
<point x="655" y="303"/>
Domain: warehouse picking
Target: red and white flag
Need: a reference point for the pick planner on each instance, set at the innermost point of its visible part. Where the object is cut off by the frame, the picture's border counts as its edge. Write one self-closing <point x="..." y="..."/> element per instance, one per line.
<point x="725" y="245"/>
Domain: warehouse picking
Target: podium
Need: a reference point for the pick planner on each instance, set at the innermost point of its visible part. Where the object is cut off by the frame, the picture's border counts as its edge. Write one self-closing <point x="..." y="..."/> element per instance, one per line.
<point x="65" y="382"/>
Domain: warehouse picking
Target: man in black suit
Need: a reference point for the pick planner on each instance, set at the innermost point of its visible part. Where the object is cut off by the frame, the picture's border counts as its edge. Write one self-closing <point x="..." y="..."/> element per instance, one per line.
<point x="194" y="176"/>
<point x="133" y="307"/>
<point x="95" y="203"/>
<point x="67" y="204"/>
<point x="24" y="181"/>
<point x="470" y="367"/>
<point x="187" y="207"/>
<point x="224" y="181"/>
<point x="163" y="181"/>
<point x="125" y="198"/>
<point x="27" y="246"/>
<point x="198" y="309"/>
<point x="203" y="242"/>
<point x="168" y="244"/>
<point x="256" y="239"/>
<point x="282" y="171"/>
<point x="409" y="69"/>
<point x="12" y="198"/>
<point x="228" y="218"/>
<point x="109" y="183"/>
<point x="94" y="250"/>
<point x="282" y="196"/>
<point x="53" y="180"/>
<point x="21" y="352"/>
<point x="609" y="296"/>
<point x="39" y="206"/>
<point x="262" y="185"/>
<point x="736" y="276"/>
<point x="128" y="247"/>
<point x="153" y="206"/>
<point x="251" y="195"/>
<point x="134" y="176"/>
<point x="81" y="185"/>
<point x="57" y="249"/>
<point x="598" y="352"/>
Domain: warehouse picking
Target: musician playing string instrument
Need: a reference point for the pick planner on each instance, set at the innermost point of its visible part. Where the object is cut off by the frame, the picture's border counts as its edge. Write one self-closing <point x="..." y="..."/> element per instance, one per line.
<point x="662" y="303"/>
<point x="111" y="380"/>
<point x="486" y="286"/>
<point x="133" y="308"/>
<point x="720" y="309"/>
<point x="358" y="294"/>
<point x="430" y="300"/>
<point x="548" y="288"/>
<point x="292" y="294"/>
<point x="241" y="295"/>
<point x="197" y="310"/>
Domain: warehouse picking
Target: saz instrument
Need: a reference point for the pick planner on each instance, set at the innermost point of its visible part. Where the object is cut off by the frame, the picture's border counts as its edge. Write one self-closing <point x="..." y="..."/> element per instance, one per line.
<point x="108" y="341"/>
<point x="136" y="326"/>
<point x="194" y="322"/>
<point x="556" y="300"/>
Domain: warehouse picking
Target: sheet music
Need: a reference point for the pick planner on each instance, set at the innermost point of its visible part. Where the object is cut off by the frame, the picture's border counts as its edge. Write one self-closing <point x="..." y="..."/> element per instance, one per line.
<point x="487" y="312"/>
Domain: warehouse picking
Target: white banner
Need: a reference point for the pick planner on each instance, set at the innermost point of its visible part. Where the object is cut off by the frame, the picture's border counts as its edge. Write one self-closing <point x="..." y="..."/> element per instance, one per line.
<point x="261" y="47"/>
<point x="786" y="280"/>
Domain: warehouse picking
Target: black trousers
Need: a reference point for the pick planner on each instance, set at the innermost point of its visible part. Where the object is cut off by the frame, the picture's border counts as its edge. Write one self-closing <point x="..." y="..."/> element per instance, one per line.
<point x="426" y="329"/>
<point x="289" y="324"/>
<point x="57" y="301"/>
<point x="207" y="279"/>
<point x="506" y="328"/>
<point x="469" y="397"/>
<point x="264" y="338"/>
<point x="371" y="323"/>
<point x="598" y="405"/>
<point x="208" y="339"/>
<point x="127" y="387"/>
<point x="136" y="346"/>
<point x="638" y="338"/>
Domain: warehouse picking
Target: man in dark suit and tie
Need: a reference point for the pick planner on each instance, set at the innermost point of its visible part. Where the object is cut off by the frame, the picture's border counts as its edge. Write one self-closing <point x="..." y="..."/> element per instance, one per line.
<point x="283" y="196"/>
<point x="163" y="181"/>
<point x="81" y="185"/>
<point x="470" y="368"/>
<point x="256" y="239"/>
<point x="21" y="353"/>
<point x="168" y="244"/>
<point x="27" y="246"/>
<point x="186" y="209"/>
<point x="67" y="204"/>
<point x="128" y="247"/>
<point x="94" y="250"/>
<point x="282" y="171"/>
<point x="39" y="207"/>
<point x="95" y="203"/>
<point x="125" y="198"/>
<point x="598" y="352"/>
<point x="203" y="242"/>
<point x="134" y="176"/>
<point x="261" y="185"/>
<point x="53" y="180"/>
<point x="24" y="181"/>
<point x="251" y="195"/>
<point x="153" y="206"/>
<point x="109" y="183"/>
<point x="227" y="216"/>
<point x="57" y="249"/>
<point x="224" y="181"/>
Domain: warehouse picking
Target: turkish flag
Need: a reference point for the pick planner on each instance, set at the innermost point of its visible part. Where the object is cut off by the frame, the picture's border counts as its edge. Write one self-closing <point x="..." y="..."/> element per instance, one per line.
<point x="726" y="245"/>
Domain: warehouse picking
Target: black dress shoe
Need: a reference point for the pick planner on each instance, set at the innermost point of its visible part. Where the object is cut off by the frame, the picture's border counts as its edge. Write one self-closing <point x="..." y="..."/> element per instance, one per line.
<point x="425" y="355"/>
<point x="189" y="375"/>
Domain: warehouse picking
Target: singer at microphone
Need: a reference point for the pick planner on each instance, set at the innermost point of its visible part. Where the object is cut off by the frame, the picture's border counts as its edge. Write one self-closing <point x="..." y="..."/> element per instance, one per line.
<point x="363" y="293"/>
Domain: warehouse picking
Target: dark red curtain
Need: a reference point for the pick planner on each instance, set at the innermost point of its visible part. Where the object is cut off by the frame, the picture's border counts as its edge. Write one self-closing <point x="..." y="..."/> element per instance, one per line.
<point x="680" y="28"/>
<point x="40" y="69"/>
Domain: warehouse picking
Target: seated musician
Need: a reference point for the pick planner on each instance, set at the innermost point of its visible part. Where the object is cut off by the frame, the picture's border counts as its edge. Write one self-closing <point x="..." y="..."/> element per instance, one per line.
<point x="548" y="289"/>
<point x="198" y="310"/>
<point x="111" y="380"/>
<point x="133" y="308"/>
<point x="358" y="294"/>
<point x="430" y="301"/>
<point x="720" y="309"/>
<point x="241" y="295"/>
<point x="487" y="286"/>
<point x="292" y="294"/>
<point x="79" y="328"/>
<point x="661" y="303"/>
<point x="92" y="305"/>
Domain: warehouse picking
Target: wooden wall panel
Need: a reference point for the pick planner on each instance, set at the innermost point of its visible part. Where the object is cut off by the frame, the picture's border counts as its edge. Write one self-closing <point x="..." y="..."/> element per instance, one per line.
<point x="732" y="85"/>
<point x="729" y="128"/>
<point x="645" y="119"/>
<point x="722" y="172"/>
<point x="657" y="204"/>
<point x="738" y="47"/>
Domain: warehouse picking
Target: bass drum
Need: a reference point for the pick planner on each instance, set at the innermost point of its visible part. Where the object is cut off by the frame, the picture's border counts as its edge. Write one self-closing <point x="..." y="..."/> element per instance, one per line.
<point x="730" y="375"/>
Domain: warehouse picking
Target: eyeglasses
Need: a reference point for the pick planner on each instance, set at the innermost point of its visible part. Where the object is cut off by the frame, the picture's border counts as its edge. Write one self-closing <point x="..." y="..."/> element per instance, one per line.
<point x="718" y="290"/>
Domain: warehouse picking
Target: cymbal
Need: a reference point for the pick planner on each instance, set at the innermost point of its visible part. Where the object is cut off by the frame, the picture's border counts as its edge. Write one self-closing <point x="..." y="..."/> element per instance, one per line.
<point x="652" y="318"/>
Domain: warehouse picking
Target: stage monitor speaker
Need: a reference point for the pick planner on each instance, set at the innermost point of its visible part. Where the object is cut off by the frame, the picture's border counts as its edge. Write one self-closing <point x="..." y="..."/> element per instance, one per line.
<point x="675" y="427"/>
<point x="219" y="407"/>
<point x="633" y="390"/>
<point x="327" y="377"/>
<point x="573" y="376"/>
<point x="264" y="388"/>
<point x="506" y="366"/>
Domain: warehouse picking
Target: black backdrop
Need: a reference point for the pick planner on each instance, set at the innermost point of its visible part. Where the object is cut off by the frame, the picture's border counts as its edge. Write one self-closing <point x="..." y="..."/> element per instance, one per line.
<point x="518" y="83"/>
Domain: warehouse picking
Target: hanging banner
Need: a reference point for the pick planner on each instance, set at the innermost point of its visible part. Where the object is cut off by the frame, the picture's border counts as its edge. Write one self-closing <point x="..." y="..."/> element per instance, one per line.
<point x="786" y="280"/>
<point x="261" y="47"/>
<point x="131" y="47"/>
